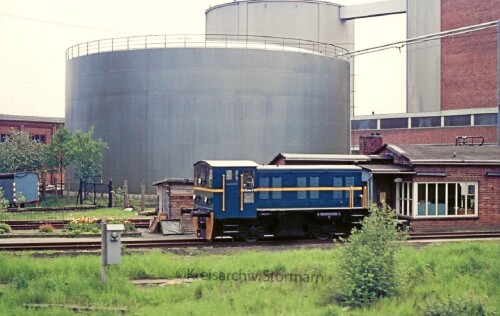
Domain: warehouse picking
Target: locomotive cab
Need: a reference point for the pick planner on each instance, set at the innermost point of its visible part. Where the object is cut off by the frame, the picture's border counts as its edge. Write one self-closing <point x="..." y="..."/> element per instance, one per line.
<point x="223" y="191"/>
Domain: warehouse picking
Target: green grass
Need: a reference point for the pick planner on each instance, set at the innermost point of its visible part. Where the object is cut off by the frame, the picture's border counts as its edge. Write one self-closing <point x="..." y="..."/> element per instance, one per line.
<point x="69" y="214"/>
<point x="433" y="278"/>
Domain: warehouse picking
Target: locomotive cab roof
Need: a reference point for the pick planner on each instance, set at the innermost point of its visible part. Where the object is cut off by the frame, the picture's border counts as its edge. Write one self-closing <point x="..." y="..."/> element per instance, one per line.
<point x="229" y="163"/>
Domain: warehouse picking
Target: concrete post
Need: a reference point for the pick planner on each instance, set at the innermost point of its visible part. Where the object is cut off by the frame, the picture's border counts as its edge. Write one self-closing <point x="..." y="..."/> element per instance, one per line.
<point x="143" y="192"/>
<point x="125" y="194"/>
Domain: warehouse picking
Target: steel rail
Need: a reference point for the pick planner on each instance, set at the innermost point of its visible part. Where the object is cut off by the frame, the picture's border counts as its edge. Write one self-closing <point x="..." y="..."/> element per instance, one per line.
<point x="226" y="243"/>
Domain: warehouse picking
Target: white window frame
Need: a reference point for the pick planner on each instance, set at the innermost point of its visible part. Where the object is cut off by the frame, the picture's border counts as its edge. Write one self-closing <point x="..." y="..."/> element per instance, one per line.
<point x="403" y="190"/>
<point x="413" y="211"/>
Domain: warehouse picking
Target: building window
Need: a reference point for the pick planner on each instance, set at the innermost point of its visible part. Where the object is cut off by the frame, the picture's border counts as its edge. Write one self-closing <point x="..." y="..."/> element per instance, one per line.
<point x="486" y="119"/>
<point x="394" y="123"/>
<point x="457" y="120"/>
<point x="363" y="124"/>
<point x="430" y="121"/>
<point x="38" y="138"/>
<point x="437" y="199"/>
<point x="404" y="193"/>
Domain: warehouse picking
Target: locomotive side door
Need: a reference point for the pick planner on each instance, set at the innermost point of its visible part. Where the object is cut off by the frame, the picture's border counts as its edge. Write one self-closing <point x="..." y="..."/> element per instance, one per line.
<point x="247" y="194"/>
<point x="231" y="193"/>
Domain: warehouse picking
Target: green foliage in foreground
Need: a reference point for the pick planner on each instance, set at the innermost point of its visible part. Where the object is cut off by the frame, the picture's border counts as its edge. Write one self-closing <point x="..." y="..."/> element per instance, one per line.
<point x="367" y="263"/>
<point x="448" y="279"/>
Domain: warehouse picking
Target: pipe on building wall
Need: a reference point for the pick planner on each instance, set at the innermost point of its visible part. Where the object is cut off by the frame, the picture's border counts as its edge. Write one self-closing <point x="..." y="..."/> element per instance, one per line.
<point x="498" y="51"/>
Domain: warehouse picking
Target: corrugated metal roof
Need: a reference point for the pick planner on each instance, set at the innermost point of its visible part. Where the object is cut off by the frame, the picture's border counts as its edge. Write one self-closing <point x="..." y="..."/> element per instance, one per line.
<point x="448" y="154"/>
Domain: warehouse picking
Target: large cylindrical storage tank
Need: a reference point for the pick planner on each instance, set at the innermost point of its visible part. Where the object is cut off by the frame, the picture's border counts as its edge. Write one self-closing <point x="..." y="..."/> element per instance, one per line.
<point x="316" y="21"/>
<point x="161" y="110"/>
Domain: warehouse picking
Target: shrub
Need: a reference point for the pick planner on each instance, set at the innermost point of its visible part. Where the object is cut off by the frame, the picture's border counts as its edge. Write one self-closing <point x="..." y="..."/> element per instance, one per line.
<point x="456" y="307"/>
<point x="4" y="203"/>
<point x="367" y="263"/>
<point x="46" y="228"/>
<point x="5" y="228"/>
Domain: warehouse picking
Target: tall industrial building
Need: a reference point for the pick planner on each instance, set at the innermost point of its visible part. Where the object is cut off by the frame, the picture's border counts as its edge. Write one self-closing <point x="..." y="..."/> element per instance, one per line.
<point x="452" y="82"/>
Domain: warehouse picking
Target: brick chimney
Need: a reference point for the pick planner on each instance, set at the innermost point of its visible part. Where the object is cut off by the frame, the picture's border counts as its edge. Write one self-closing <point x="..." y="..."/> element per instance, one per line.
<point x="368" y="144"/>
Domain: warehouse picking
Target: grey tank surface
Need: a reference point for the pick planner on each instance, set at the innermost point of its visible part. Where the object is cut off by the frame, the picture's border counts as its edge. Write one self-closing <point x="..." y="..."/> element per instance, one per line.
<point x="161" y="110"/>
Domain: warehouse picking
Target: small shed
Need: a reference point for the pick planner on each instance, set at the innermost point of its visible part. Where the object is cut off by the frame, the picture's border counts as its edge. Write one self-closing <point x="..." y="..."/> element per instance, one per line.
<point x="14" y="184"/>
<point x="174" y="194"/>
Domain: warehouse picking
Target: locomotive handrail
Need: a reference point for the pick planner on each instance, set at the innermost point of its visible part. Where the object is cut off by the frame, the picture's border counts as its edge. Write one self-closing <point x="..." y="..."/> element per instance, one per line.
<point x="223" y="192"/>
<point x="308" y="189"/>
<point x="206" y="41"/>
<point x="241" y="192"/>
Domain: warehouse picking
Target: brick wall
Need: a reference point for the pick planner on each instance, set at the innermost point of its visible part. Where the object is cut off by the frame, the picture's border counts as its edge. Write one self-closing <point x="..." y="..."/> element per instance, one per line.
<point x="46" y="129"/>
<point x="488" y="201"/>
<point x="445" y="135"/>
<point x="469" y="62"/>
<point x="179" y="195"/>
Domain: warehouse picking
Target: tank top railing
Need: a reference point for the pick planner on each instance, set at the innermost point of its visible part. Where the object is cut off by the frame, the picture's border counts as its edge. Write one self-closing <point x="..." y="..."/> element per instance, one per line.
<point x="206" y="41"/>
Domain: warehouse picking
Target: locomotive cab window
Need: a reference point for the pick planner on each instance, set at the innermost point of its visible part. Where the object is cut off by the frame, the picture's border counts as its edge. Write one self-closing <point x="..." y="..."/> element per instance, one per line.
<point x="232" y="176"/>
<point x="248" y="179"/>
<point x="201" y="175"/>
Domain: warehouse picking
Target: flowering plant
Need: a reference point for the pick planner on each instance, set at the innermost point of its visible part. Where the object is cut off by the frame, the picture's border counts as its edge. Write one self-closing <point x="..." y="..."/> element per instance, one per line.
<point x="46" y="228"/>
<point x="93" y="225"/>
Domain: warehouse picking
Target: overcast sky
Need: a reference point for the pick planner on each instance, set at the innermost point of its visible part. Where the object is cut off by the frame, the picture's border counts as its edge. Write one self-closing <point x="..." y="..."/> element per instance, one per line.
<point x="34" y="36"/>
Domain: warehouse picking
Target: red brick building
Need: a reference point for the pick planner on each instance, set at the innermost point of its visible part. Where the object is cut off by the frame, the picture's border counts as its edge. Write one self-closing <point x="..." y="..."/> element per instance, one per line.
<point x="40" y="128"/>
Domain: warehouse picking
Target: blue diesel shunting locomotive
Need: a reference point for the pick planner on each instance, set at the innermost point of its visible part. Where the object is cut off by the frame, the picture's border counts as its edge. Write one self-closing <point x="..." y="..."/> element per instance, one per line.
<point x="243" y="199"/>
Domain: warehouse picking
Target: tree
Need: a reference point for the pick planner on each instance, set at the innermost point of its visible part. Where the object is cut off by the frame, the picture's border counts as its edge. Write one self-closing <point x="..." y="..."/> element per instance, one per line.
<point x="86" y="154"/>
<point x="57" y="153"/>
<point x="20" y="153"/>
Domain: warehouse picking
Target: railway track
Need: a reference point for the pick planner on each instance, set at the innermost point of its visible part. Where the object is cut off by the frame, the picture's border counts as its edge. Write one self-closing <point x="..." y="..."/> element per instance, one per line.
<point x="59" y="224"/>
<point x="454" y="235"/>
<point x="95" y="244"/>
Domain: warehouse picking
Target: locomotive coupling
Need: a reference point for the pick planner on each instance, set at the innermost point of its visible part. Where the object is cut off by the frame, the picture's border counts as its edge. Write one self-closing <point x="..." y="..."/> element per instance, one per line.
<point x="195" y="212"/>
